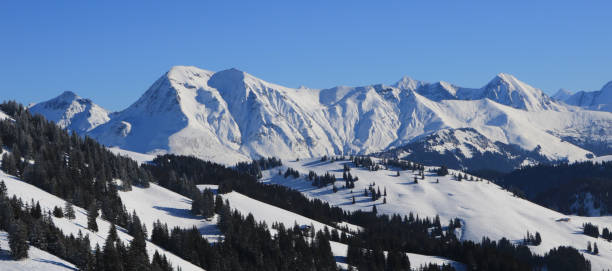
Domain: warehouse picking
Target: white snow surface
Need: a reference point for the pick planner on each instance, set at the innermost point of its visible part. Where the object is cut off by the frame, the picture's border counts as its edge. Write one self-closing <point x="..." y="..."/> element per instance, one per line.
<point x="484" y="208"/>
<point x="141" y="158"/>
<point x="157" y="203"/>
<point x="47" y="201"/>
<point x="230" y="116"/>
<point x="37" y="259"/>
<point x="72" y="112"/>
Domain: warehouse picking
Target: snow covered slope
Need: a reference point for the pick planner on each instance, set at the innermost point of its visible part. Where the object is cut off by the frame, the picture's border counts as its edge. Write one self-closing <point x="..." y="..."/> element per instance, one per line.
<point x="37" y="259"/>
<point x="484" y="208"/>
<point x="594" y="100"/>
<point x="157" y="203"/>
<point x="47" y="201"/>
<point x="270" y="214"/>
<point x="230" y="116"/>
<point x="72" y="112"/>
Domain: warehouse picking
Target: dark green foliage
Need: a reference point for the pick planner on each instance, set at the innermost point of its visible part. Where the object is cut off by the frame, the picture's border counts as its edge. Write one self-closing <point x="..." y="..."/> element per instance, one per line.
<point x="18" y="240"/>
<point x="442" y="171"/>
<point x="531" y="239"/>
<point x="92" y="214"/>
<point x="255" y="167"/>
<point x="562" y="187"/>
<point x="292" y="172"/>
<point x="58" y="212"/>
<point x="248" y="246"/>
<point x="69" y="211"/>
<point x="566" y="259"/>
<point x="203" y="203"/>
<point x="590" y="230"/>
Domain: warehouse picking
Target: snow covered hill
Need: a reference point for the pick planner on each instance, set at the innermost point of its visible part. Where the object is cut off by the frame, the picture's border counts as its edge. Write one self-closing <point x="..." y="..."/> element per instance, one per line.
<point x="72" y="112"/>
<point x="270" y="214"/>
<point x="231" y="116"/>
<point x="48" y="201"/>
<point x="484" y="208"/>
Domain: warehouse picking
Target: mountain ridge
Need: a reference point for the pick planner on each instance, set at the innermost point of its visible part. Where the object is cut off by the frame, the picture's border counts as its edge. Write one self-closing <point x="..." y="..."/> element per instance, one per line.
<point x="231" y="116"/>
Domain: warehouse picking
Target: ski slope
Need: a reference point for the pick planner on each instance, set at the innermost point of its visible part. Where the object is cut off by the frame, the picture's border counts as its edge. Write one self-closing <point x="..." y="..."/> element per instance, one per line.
<point x="37" y="259"/>
<point x="484" y="208"/>
<point x="47" y="201"/>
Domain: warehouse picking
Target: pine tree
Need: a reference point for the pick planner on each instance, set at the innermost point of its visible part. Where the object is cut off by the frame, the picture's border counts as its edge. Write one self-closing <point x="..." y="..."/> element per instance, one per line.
<point x="138" y="258"/>
<point x="589" y="249"/>
<point x="69" y="211"/>
<point x="58" y="212"/>
<point x="18" y="240"/>
<point x="595" y="249"/>
<point x="538" y="239"/>
<point x="353" y="199"/>
<point x="92" y="214"/>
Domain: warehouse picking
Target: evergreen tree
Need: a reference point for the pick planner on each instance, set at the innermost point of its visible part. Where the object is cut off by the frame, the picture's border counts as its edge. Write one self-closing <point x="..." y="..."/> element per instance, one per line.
<point x="589" y="249"/>
<point x="595" y="249"/>
<point x="111" y="256"/>
<point x="92" y="214"/>
<point x="69" y="210"/>
<point x="18" y="240"/>
<point x="138" y="258"/>
<point x="58" y="212"/>
<point x="538" y="239"/>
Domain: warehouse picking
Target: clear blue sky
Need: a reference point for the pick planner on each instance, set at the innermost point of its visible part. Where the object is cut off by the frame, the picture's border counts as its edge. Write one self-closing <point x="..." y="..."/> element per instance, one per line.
<point x="112" y="51"/>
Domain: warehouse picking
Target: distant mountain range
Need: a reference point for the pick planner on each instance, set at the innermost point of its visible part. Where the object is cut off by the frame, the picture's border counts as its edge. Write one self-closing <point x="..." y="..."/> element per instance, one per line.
<point x="230" y="115"/>
<point x="593" y="100"/>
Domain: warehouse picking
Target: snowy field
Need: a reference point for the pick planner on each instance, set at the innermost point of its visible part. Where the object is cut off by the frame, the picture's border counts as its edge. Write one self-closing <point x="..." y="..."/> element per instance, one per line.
<point x="37" y="259"/>
<point x="484" y="208"/>
<point x="157" y="203"/>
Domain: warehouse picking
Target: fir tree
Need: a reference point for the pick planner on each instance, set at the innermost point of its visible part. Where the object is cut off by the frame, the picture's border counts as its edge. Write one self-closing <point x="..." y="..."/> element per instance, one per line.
<point x="595" y="249"/>
<point x="69" y="210"/>
<point x="92" y="214"/>
<point x="589" y="249"/>
<point x="18" y="240"/>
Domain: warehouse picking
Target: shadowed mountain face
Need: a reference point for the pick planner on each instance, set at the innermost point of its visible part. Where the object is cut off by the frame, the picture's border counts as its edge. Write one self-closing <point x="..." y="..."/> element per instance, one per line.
<point x="230" y="115"/>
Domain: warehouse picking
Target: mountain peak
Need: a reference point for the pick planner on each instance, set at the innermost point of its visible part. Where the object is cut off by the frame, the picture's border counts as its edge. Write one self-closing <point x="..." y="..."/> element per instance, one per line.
<point x="68" y="95"/>
<point x="72" y="112"/>
<point x="408" y="83"/>
<point x="562" y="94"/>
<point x="504" y="78"/>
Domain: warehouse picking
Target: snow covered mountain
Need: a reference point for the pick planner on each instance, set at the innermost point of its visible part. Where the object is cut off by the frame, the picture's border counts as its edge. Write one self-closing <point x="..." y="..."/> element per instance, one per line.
<point x="230" y="116"/>
<point x="594" y="100"/>
<point x="465" y="148"/>
<point x="72" y="112"/>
